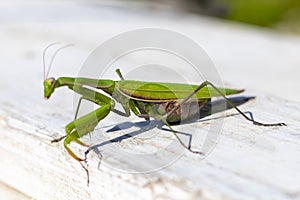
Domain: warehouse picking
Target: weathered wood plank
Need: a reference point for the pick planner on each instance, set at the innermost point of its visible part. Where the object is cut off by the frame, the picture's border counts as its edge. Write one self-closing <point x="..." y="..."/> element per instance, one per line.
<point x="248" y="162"/>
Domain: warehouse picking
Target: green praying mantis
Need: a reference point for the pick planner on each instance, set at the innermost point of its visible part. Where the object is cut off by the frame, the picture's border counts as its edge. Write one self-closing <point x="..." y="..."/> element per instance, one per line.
<point x="168" y="102"/>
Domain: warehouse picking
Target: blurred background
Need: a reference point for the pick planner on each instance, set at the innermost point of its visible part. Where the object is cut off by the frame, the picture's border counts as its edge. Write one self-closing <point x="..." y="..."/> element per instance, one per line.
<point x="278" y="14"/>
<point x="283" y="15"/>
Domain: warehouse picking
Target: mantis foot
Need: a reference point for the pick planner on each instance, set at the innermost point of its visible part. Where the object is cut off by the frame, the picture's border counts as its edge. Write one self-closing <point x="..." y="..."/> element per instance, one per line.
<point x="58" y="139"/>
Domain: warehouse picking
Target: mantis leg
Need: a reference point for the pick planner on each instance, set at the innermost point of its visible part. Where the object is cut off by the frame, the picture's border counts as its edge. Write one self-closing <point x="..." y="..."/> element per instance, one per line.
<point x="164" y="119"/>
<point x="77" y="108"/>
<point x="131" y="103"/>
<point x="126" y="112"/>
<point x="75" y="117"/>
<point x="180" y="141"/>
<point x="120" y="74"/>
<point x="85" y="124"/>
<point x="82" y="126"/>
<point x="206" y="83"/>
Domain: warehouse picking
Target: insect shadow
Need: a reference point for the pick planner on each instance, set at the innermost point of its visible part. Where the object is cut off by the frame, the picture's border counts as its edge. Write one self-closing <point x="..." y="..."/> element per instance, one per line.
<point x="210" y="108"/>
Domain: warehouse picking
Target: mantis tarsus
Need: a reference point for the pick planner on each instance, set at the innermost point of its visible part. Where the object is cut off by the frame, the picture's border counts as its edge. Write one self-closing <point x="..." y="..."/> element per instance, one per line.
<point x="168" y="102"/>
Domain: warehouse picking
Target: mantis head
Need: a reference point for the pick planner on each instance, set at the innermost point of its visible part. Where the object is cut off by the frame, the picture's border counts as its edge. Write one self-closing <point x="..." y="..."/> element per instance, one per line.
<point x="49" y="87"/>
<point x="50" y="83"/>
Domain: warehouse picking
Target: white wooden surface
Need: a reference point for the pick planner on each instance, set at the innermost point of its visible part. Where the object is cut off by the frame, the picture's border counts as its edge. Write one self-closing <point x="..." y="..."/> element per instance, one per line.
<point x="248" y="162"/>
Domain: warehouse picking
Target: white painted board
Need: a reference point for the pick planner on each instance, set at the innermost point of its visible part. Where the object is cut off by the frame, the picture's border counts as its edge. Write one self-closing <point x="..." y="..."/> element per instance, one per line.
<point x="248" y="162"/>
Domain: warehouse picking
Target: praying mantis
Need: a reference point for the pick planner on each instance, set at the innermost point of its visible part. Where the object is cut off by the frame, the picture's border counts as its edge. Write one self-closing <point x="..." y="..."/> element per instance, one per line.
<point x="168" y="102"/>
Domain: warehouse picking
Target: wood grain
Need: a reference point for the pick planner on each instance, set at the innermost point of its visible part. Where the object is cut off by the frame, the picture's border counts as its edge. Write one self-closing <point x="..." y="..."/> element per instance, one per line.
<point x="246" y="161"/>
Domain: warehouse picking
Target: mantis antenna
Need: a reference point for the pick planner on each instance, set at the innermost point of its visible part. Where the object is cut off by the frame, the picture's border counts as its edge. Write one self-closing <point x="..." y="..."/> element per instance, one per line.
<point x="52" y="58"/>
<point x="44" y="54"/>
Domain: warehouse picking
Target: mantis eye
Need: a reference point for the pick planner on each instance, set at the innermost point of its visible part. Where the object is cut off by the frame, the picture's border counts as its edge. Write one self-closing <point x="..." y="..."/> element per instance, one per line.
<point x="49" y="86"/>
